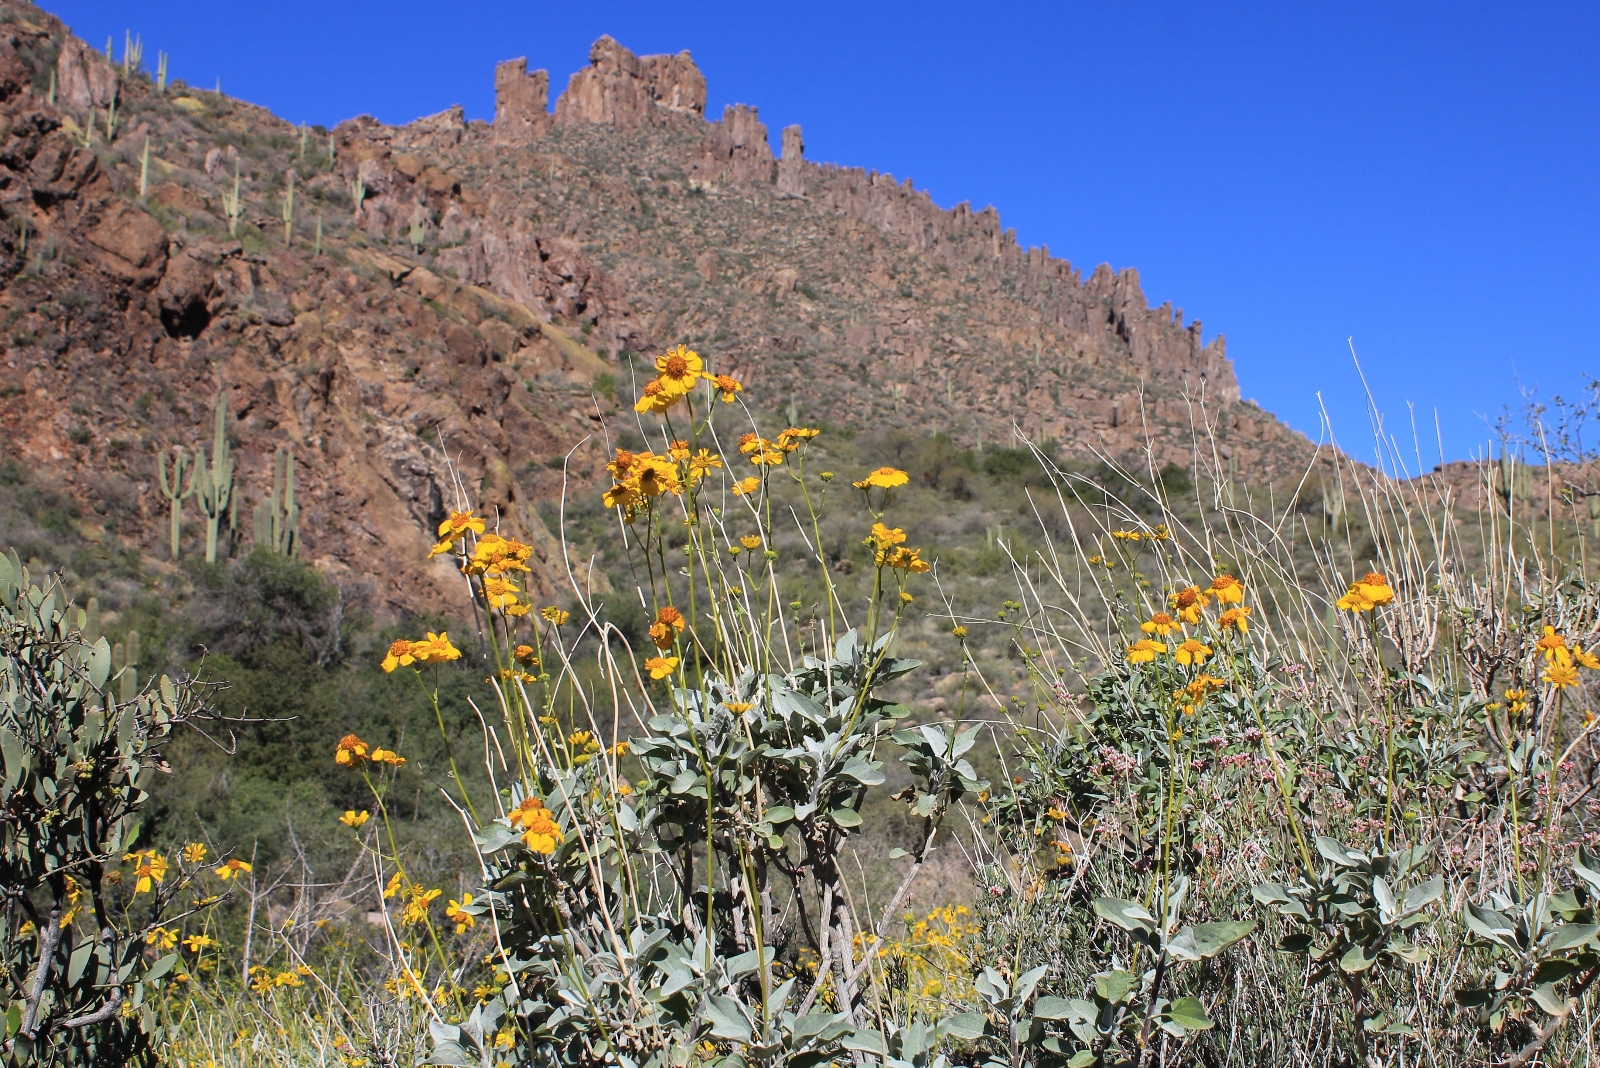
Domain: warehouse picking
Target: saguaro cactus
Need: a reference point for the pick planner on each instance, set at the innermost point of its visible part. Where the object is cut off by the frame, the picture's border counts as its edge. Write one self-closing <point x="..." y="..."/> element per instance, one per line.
<point x="174" y="492"/>
<point x="277" y="516"/>
<point x="215" y="481"/>
<point x="232" y="207"/>
<point x="288" y="210"/>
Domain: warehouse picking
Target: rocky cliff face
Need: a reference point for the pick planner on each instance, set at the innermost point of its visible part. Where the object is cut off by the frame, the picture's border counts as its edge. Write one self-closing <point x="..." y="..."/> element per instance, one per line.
<point x="431" y="324"/>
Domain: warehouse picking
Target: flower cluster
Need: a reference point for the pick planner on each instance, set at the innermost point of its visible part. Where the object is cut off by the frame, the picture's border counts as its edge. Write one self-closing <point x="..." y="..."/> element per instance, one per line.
<point x="668" y="625"/>
<point x="888" y="549"/>
<point x="540" y="832"/>
<point x="1186" y="607"/>
<point x="352" y="752"/>
<point x="150" y="867"/>
<point x="1562" y="660"/>
<point x="434" y="649"/>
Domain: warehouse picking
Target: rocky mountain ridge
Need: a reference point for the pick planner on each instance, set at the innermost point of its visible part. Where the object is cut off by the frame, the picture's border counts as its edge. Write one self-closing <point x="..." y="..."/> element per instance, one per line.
<point x="451" y="310"/>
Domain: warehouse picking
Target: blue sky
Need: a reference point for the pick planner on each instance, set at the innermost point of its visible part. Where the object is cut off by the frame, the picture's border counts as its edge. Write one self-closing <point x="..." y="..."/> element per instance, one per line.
<point x="1422" y="178"/>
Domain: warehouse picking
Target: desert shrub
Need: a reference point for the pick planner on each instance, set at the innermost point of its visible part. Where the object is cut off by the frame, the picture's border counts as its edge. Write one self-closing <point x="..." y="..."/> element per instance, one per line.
<point x="86" y="949"/>
<point x="1225" y="789"/>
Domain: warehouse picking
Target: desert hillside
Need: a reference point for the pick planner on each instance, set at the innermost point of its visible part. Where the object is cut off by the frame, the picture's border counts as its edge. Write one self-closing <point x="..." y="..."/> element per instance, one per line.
<point x="382" y="300"/>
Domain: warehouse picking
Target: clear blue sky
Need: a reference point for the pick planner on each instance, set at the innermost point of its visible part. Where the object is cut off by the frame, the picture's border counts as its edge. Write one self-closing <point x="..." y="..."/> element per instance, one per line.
<point x="1420" y="177"/>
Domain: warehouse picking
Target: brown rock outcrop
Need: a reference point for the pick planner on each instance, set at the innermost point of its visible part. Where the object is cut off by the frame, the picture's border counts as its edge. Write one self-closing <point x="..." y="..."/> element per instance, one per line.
<point x="791" y="169"/>
<point x="621" y="89"/>
<point x="84" y="78"/>
<point x="521" y="102"/>
<point x="735" y="149"/>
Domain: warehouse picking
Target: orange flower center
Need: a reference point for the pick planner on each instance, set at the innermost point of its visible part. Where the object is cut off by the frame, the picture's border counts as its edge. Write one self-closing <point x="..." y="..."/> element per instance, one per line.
<point x="677" y="366"/>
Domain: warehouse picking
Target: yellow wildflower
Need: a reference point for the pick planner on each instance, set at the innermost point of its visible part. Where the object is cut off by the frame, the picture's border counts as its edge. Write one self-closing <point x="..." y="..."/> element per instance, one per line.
<point x="678" y="370"/>
<point x="1191" y="652"/>
<point x="435" y="649"/>
<point x="399" y="655"/>
<point x="541" y="834"/>
<point x="194" y="853"/>
<point x="150" y="868"/>
<point x="455" y="913"/>
<point x="656" y="398"/>
<point x="727" y="385"/>
<point x="1516" y="701"/>
<point x="1585" y="659"/>
<point x="350" y="751"/>
<point x="1188" y="602"/>
<point x="884" y="537"/>
<point x="1366" y="594"/>
<point x="751" y="541"/>
<point x="1235" y="619"/>
<point x="745" y="486"/>
<point x="1554" y="648"/>
<point x="702" y="464"/>
<point x="1227" y="589"/>
<point x="552" y="614"/>
<point x="1144" y="651"/>
<point x="884" y="478"/>
<point x="416" y="907"/>
<point x="195" y="943"/>
<point x="1561" y="676"/>
<point x="1160" y="625"/>
<point x="353" y="819"/>
<point x="499" y="592"/>
<point x="661" y="666"/>
<point x="163" y="938"/>
<point x="231" y="869"/>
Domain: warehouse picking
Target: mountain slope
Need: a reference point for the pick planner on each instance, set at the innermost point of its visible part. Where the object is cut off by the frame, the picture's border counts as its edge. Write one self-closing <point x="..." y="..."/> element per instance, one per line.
<point x="450" y="303"/>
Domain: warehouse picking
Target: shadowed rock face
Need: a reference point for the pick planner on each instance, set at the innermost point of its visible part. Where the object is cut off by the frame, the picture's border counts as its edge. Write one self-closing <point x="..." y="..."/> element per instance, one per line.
<point x="475" y="279"/>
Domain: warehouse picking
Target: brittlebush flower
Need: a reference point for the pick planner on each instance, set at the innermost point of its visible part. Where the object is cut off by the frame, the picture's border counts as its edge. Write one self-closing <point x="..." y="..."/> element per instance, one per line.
<point x="416" y="908"/>
<point x="761" y="451"/>
<point x="1585" y="659"/>
<point x="751" y="541"/>
<point x="494" y="555"/>
<point x="552" y="614"/>
<point x="1561" y="676"/>
<point x="1235" y="619"/>
<point x="885" y="537"/>
<point x="195" y="943"/>
<point x="1144" y="651"/>
<point x="1227" y="590"/>
<point x="738" y="708"/>
<point x="1187" y="602"/>
<point x="1366" y="594"/>
<point x="746" y="485"/>
<point x="1191" y="652"/>
<point x="904" y="559"/>
<point x="453" y="529"/>
<point x="351" y="751"/>
<point x="679" y="369"/>
<point x="435" y="649"/>
<point x="388" y="756"/>
<point x="525" y="652"/>
<point x="796" y="436"/>
<point x="399" y="655"/>
<point x="352" y="818"/>
<point x="194" y="853"/>
<point x="499" y="592"/>
<point x="1554" y="648"/>
<point x="1160" y="625"/>
<point x="702" y="464"/>
<point x="1516" y="701"/>
<point x="884" y="478"/>
<point x="231" y="869"/>
<point x="538" y="824"/>
<point x="163" y="938"/>
<point x="657" y="398"/>
<point x="661" y="666"/>
<point x="727" y="385"/>
<point x="455" y="913"/>
<point x="150" y="868"/>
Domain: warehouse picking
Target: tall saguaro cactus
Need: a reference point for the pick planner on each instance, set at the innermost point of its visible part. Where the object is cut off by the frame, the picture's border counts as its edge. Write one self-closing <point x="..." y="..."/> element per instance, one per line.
<point x="174" y="492"/>
<point x="277" y="516"/>
<point x="215" y="481"/>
